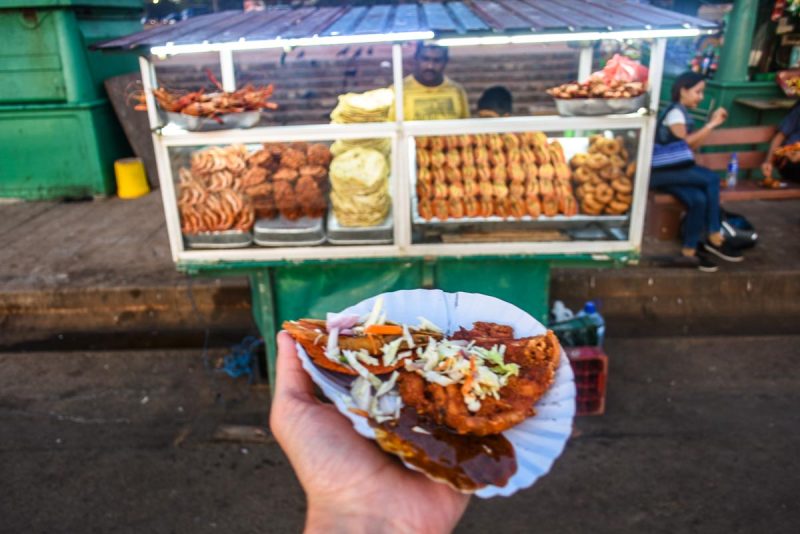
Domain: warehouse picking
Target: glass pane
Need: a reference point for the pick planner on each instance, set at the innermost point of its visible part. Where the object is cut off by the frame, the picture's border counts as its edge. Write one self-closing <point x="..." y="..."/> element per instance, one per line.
<point x="528" y="187"/>
<point x="285" y="194"/>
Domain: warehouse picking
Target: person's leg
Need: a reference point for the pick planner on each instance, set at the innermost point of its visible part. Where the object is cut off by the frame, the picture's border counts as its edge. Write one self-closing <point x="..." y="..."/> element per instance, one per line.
<point x="711" y="190"/>
<point x="693" y="224"/>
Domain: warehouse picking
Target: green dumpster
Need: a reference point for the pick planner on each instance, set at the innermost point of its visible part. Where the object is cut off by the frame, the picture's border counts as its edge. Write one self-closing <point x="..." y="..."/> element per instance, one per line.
<point x="60" y="136"/>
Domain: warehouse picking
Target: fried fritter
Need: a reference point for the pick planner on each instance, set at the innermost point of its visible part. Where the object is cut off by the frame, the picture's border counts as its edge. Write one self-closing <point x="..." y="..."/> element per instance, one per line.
<point x="538" y="359"/>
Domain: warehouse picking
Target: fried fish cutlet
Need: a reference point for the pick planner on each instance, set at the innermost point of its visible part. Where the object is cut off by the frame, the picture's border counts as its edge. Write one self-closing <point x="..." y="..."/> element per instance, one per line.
<point x="537" y="358"/>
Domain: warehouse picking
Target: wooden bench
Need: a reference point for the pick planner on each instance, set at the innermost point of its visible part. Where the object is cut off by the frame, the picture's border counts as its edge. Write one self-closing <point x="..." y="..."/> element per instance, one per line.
<point x="664" y="211"/>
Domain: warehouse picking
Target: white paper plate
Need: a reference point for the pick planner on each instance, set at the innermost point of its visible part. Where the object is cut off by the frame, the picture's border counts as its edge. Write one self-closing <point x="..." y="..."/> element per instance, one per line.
<point x="537" y="441"/>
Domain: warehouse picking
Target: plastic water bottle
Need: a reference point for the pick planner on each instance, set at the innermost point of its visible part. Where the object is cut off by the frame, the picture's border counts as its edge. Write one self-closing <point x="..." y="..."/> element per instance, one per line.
<point x="590" y="311"/>
<point x="733" y="171"/>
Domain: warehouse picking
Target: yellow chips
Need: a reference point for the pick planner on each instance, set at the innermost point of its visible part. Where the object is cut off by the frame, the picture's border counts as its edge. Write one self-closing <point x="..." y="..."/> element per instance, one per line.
<point x="360" y="187"/>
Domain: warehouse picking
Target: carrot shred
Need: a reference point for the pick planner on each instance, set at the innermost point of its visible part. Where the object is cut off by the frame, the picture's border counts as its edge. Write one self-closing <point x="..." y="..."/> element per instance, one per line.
<point x="384" y="330"/>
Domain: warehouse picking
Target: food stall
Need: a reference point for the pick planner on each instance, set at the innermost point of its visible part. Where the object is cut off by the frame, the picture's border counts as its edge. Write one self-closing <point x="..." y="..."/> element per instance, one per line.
<point x="366" y="204"/>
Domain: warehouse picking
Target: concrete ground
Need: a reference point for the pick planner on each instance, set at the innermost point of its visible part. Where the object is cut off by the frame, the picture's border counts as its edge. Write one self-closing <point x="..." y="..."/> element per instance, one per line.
<point x="700" y="435"/>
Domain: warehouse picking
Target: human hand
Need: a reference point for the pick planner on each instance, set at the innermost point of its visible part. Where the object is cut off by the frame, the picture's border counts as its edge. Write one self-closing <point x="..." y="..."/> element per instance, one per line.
<point x="719" y="116"/>
<point x="766" y="169"/>
<point x="351" y="485"/>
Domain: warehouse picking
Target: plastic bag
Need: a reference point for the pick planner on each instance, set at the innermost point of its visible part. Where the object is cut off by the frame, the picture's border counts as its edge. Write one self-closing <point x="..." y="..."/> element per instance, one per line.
<point x="623" y="69"/>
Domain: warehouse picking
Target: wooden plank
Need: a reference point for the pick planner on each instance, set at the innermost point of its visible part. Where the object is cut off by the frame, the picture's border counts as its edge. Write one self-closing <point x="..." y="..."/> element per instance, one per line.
<point x="438" y="18"/>
<point x="466" y="18"/>
<point x="374" y="21"/>
<point x="347" y="22"/>
<point x="741" y="136"/>
<point x="718" y="161"/>
<point x="406" y="18"/>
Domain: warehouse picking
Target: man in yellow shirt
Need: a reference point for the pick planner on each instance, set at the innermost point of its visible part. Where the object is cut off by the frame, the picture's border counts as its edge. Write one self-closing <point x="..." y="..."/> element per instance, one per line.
<point x="427" y="93"/>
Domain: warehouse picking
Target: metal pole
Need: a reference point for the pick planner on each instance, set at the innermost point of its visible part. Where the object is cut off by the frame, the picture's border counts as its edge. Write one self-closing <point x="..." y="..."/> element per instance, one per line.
<point x="735" y="53"/>
<point x="585" y="63"/>
<point x="227" y="70"/>
<point x="400" y="166"/>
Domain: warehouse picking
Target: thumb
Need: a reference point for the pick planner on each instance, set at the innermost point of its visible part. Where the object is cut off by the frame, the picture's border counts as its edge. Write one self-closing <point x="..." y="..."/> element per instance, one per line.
<point x="292" y="383"/>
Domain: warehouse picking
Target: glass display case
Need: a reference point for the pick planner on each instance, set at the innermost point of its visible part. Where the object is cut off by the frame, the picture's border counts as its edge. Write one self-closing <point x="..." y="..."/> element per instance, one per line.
<point x="368" y="184"/>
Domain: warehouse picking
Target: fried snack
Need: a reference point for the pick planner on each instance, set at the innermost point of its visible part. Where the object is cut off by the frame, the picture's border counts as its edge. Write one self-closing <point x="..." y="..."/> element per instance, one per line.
<point x="453" y="174"/>
<point x="578" y="160"/>
<point x="452" y="143"/>
<point x="511" y="141"/>
<point x="546" y="187"/>
<point x="533" y="205"/>
<point x="425" y="176"/>
<point x="499" y="191"/>
<point x="423" y="158"/>
<point x="425" y="209"/>
<point x="437" y="175"/>
<point x="285" y="174"/>
<point x="516" y="173"/>
<point x="286" y="200"/>
<point x="609" y="172"/>
<point x="469" y="172"/>
<point x="467" y="156"/>
<point x="597" y="161"/>
<point x="484" y="172"/>
<point x="549" y="205"/>
<point x="497" y="158"/>
<point x="513" y="155"/>
<point x="471" y="188"/>
<point x="465" y="141"/>
<point x="436" y="144"/>
<point x="481" y="156"/>
<point x="313" y="335"/>
<point x="516" y="190"/>
<point x="293" y="158"/>
<point x="622" y="185"/>
<point x="360" y="187"/>
<point x="532" y="188"/>
<point x="472" y="207"/>
<point x="527" y="156"/>
<point x="583" y="175"/>
<point x="546" y="172"/>
<point x="424" y="191"/>
<point x="455" y="208"/>
<point x="518" y="208"/>
<point x="486" y="189"/>
<point x="567" y="205"/>
<point x="254" y="176"/>
<point x="499" y="174"/>
<point x="441" y="209"/>
<point x="453" y="159"/>
<point x="542" y="154"/>
<point x="531" y="171"/>
<point x="456" y="190"/>
<point x="440" y="190"/>
<point x="562" y="172"/>
<point x="438" y="159"/>
<point x="423" y="142"/>
<point x="486" y="207"/>
<point x="310" y="197"/>
<point x="495" y="143"/>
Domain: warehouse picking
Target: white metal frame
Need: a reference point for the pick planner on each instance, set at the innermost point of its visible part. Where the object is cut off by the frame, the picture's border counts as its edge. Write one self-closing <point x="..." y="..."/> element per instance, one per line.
<point x="400" y="133"/>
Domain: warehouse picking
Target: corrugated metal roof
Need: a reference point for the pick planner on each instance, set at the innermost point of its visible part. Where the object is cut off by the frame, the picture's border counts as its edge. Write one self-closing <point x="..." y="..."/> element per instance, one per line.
<point x="446" y="19"/>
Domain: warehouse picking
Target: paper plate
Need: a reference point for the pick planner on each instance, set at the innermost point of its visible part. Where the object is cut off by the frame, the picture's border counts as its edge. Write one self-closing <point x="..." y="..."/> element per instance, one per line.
<point x="537" y="441"/>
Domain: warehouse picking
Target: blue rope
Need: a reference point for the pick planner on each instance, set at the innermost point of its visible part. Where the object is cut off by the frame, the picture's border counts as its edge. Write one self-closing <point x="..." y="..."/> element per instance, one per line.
<point x="241" y="361"/>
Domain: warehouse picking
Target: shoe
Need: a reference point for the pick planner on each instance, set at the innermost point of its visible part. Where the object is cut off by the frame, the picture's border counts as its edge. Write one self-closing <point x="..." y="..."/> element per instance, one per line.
<point x="725" y="251"/>
<point x="706" y="263"/>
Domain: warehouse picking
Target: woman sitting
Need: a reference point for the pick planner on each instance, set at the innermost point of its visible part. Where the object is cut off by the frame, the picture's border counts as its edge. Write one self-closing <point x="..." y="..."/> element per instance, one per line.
<point x="695" y="186"/>
<point x="788" y="134"/>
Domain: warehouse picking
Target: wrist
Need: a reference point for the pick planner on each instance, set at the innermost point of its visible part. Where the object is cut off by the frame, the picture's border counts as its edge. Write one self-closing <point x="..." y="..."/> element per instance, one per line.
<point x="335" y="520"/>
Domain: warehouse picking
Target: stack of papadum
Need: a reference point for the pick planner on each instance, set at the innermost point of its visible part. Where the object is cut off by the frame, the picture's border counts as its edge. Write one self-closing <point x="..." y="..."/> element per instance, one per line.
<point x="370" y="106"/>
<point x="360" y="187"/>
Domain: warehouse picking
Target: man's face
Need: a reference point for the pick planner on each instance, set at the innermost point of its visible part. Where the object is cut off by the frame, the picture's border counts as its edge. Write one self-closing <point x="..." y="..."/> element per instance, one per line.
<point x="429" y="66"/>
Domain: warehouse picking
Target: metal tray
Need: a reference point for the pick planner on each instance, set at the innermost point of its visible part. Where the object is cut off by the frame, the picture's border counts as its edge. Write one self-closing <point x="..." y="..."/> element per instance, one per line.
<point x="599" y="106"/>
<point x="225" y="239"/>
<point x="383" y="234"/>
<point x="282" y="232"/>
<point x="563" y="220"/>
<point x="246" y="119"/>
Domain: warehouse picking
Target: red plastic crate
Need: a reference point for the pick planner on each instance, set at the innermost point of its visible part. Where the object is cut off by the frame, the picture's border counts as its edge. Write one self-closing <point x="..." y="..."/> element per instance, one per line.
<point x="590" y="366"/>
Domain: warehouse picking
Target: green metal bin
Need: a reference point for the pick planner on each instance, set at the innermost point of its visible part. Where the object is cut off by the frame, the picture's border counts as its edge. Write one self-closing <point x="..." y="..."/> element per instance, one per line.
<point x="58" y="131"/>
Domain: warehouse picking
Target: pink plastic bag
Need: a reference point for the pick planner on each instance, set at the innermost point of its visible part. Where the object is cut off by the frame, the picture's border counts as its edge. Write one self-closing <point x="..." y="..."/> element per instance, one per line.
<point x="623" y="69"/>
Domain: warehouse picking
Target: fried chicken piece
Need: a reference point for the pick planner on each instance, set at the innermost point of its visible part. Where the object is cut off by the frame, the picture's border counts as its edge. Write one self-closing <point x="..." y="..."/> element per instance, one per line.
<point x="293" y="158"/>
<point x="538" y="359"/>
<point x="310" y="197"/>
<point x="286" y="200"/>
<point x="319" y="154"/>
<point x="285" y="174"/>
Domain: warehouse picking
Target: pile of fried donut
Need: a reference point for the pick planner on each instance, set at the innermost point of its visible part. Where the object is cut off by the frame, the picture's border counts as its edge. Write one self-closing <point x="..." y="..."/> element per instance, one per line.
<point x="603" y="177"/>
<point x="509" y="175"/>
